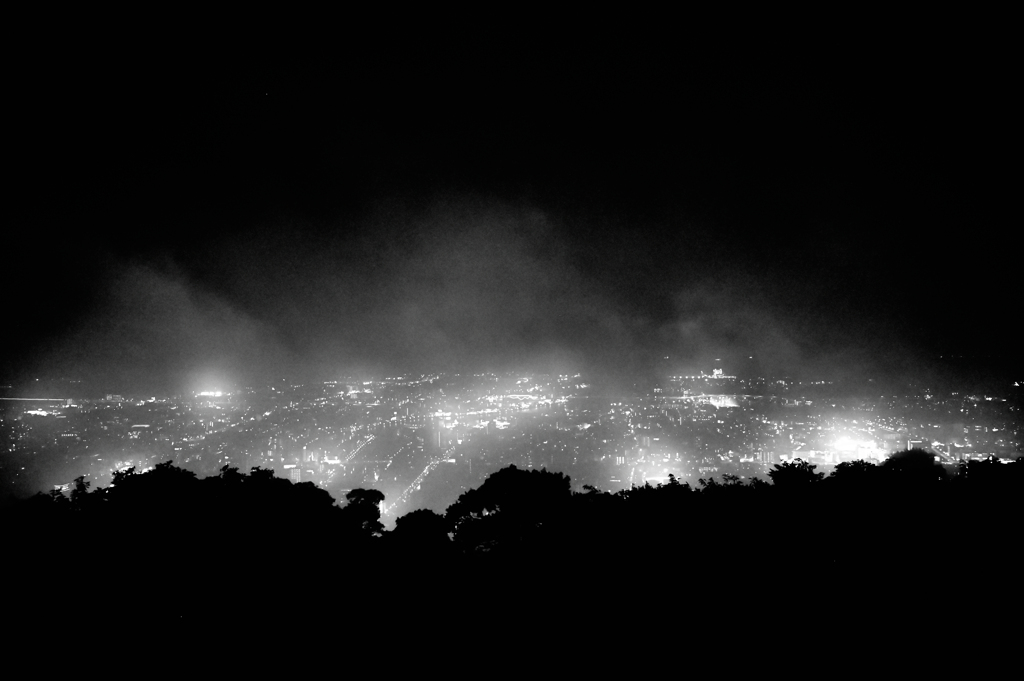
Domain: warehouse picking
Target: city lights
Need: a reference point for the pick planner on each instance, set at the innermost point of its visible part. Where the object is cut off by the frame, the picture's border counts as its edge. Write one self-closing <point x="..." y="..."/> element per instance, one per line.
<point x="395" y="433"/>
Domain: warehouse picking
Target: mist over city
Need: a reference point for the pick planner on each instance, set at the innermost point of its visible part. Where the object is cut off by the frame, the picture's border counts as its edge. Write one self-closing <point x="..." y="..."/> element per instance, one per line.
<point x="542" y="316"/>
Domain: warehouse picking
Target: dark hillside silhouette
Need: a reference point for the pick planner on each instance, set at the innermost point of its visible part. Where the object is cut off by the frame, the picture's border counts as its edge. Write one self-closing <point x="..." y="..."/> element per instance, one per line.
<point x="168" y="548"/>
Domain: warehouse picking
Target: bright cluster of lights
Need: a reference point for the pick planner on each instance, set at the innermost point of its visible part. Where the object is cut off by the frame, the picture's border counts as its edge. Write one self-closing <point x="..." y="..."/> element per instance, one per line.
<point x="849" y="445"/>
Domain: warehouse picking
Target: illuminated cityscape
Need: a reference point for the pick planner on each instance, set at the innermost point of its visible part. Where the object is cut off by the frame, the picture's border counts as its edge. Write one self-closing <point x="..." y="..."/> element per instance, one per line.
<point x="424" y="440"/>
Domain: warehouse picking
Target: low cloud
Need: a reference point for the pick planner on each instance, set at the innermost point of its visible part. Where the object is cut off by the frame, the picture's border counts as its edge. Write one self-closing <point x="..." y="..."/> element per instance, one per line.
<point x="154" y="329"/>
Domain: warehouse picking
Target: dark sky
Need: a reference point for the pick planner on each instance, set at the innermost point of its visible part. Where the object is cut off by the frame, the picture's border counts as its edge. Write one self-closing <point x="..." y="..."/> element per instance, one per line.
<point x="180" y="218"/>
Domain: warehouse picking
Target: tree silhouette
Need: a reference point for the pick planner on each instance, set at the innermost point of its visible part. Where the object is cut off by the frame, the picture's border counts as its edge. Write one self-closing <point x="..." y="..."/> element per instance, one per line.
<point x="508" y="507"/>
<point x="421" y="538"/>
<point x="854" y="472"/>
<point x="796" y="474"/>
<point x="80" y="492"/>
<point x="914" y="466"/>
<point x="422" y="526"/>
<point x="361" y="513"/>
<point x="520" y="537"/>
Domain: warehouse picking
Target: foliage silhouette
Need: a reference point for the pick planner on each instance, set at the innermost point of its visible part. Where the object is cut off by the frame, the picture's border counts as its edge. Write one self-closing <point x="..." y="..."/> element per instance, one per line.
<point x="914" y="466"/>
<point x="509" y="509"/>
<point x="797" y="474"/>
<point x="522" y="537"/>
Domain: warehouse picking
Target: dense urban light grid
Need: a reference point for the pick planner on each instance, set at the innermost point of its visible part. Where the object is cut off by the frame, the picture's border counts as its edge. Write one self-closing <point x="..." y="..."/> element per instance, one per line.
<point x="423" y="440"/>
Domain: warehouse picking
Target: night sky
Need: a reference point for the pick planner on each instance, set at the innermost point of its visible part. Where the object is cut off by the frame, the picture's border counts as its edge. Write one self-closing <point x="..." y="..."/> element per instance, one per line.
<point x="176" y="219"/>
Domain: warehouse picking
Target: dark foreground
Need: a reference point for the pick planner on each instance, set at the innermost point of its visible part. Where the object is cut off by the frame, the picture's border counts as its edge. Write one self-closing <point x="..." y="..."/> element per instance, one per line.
<point x="903" y="554"/>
